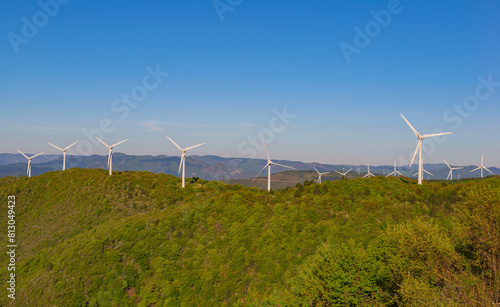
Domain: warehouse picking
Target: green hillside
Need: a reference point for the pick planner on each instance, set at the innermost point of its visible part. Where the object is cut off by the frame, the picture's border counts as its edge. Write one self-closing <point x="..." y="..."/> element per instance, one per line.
<point x="136" y="238"/>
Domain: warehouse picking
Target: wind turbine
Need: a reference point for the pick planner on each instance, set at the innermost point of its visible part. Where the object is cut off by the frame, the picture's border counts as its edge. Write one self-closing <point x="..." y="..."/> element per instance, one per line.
<point x="64" y="152"/>
<point x="268" y="165"/>
<point x="183" y="159"/>
<point x="319" y="178"/>
<point x="396" y="172"/>
<point x="28" y="172"/>
<point x="344" y="173"/>
<point x="368" y="174"/>
<point x="450" y="174"/>
<point x="110" y="153"/>
<point x="425" y="171"/>
<point x="482" y="167"/>
<point x="419" y="148"/>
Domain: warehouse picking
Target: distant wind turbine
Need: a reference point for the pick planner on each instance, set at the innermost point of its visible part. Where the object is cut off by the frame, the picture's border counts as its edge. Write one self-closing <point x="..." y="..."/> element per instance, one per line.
<point x="450" y="174"/>
<point x="64" y="152"/>
<point x="368" y="174"/>
<point x="481" y="167"/>
<point x="28" y="172"/>
<point x="110" y="153"/>
<point x="268" y="165"/>
<point x="183" y="159"/>
<point x="319" y="178"/>
<point x="419" y="148"/>
<point x="344" y="173"/>
<point x="425" y="171"/>
<point x="396" y="172"/>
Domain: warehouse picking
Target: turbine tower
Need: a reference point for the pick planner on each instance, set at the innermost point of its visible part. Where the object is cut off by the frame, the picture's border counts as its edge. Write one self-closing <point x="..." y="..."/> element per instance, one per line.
<point x="268" y="165"/>
<point x="368" y="174"/>
<point x="450" y="174"/>
<point x="395" y="172"/>
<point x="64" y="152"/>
<point x="344" y="173"/>
<point x="28" y="171"/>
<point x="319" y="178"/>
<point x="110" y="154"/>
<point x="419" y="148"/>
<point x="482" y="167"/>
<point x="183" y="160"/>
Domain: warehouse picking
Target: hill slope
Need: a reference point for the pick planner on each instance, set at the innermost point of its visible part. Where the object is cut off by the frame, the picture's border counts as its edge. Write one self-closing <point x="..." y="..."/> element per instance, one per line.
<point x="135" y="238"/>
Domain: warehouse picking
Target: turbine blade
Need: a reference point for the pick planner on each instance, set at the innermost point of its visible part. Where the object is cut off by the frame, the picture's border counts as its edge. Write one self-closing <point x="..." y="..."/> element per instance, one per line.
<point x="447" y="164"/>
<point x="267" y="154"/>
<point x="435" y="134"/>
<point x="71" y="145"/>
<point x="103" y="142"/>
<point x="183" y="156"/>
<point x="339" y="173"/>
<point x="178" y="147"/>
<point x="194" y="146"/>
<point x="348" y="171"/>
<point x="416" y="150"/>
<point x="56" y="147"/>
<point x="316" y="170"/>
<point x="414" y="130"/>
<point x="427" y="172"/>
<point x="260" y="172"/>
<point x="449" y="174"/>
<point x="23" y="154"/>
<point x="118" y="143"/>
<point x="282" y="165"/>
<point x="487" y="169"/>
<point x="37" y="155"/>
<point x="475" y="169"/>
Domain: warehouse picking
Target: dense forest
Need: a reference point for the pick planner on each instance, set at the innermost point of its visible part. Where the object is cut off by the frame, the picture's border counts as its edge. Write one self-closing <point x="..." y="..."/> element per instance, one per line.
<point x="136" y="238"/>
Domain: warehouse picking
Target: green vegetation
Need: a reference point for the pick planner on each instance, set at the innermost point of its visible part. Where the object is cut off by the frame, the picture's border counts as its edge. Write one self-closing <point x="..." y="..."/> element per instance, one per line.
<point x="137" y="238"/>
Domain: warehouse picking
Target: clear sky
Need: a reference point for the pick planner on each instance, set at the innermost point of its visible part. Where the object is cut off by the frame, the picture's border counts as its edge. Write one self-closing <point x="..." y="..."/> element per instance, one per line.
<point x="225" y="72"/>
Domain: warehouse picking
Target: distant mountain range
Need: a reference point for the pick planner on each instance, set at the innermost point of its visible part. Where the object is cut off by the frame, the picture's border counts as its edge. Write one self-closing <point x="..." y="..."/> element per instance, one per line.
<point x="214" y="167"/>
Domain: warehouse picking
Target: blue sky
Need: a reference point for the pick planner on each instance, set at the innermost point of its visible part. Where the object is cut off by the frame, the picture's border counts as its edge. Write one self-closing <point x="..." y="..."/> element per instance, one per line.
<point x="223" y="81"/>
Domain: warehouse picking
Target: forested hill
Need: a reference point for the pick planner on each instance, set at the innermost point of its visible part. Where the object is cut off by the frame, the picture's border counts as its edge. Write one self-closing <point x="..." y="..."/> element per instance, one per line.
<point x="136" y="238"/>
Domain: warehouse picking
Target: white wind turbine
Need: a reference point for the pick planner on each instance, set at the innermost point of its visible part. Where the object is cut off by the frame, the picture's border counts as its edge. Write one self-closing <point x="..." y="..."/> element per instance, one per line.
<point x="344" y="173"/>
<point x="395" y="172"/>
<point x="419" y="148"/>
<point x="425" y="171"/>
<point x="183" y="159"/>
<point x="28" y="172"/>
<point x="64" y="152"/>
<point x="481" y="167"/>
<point x="450" y="174"/>
<point x="268" y="165"/>
<point x="110" y="153"/>
<point x="319" y="178"/>
<point x="368" y="174"/>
